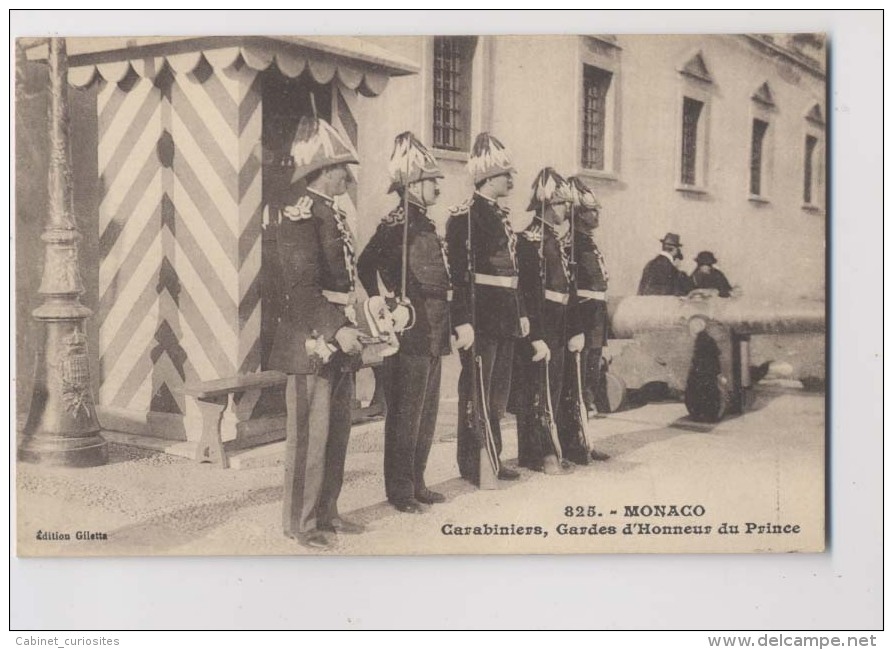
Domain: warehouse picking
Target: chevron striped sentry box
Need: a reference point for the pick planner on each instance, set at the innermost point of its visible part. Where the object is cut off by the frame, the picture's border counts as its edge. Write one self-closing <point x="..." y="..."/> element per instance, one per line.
<point x="181" y="208"/>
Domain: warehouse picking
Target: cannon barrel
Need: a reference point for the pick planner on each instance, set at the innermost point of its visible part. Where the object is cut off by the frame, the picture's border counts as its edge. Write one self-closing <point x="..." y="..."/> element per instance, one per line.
<point x="745" y="315"/>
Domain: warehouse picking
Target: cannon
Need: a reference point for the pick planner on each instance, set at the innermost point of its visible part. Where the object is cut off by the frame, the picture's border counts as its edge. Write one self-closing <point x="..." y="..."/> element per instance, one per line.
<point x="699" y="346"/>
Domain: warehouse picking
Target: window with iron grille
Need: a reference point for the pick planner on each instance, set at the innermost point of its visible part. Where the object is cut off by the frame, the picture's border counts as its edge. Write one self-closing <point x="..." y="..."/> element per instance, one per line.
<point x="452" y="91"/>
<point x="757" y="137"/>
<point x="596" y="83"/>
<point x="691" y="115"/>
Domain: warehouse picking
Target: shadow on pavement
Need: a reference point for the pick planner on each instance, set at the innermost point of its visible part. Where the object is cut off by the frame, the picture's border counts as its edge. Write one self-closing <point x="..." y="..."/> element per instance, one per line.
<point x="167" y="530"/>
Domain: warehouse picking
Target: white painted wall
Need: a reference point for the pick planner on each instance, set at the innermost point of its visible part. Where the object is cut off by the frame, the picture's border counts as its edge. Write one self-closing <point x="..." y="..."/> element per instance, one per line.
<point x="530" y="100"/>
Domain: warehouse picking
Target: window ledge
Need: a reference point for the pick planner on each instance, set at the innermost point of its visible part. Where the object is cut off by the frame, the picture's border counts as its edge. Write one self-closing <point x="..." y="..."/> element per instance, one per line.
<point x="598" y="174"/>
<point x="446" y="154"/>
<point x="756" y="198"/>
<point x="691" y="189"/>
<point x="810" y="207"/>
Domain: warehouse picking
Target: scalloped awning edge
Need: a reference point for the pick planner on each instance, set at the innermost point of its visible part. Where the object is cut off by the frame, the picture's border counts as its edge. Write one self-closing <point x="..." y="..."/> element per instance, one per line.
<point x="291" y="65"/>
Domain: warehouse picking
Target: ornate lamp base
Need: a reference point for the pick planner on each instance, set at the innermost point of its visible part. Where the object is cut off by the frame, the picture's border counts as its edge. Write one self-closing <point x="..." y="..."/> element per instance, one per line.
<point x="62" y="428"/>
<point x="47" y="449"/>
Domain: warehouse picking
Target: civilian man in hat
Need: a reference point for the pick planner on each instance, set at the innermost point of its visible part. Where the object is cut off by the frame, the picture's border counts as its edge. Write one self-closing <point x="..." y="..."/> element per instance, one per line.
<point x="705" y="276"/>
<point x="592" y="285"/>
<point x="412" y="376"/>
<point x="543" y="258"/>
<point x="662" y="276"/>
<point x="316" y="341"/>
<point x="498" y="312"/>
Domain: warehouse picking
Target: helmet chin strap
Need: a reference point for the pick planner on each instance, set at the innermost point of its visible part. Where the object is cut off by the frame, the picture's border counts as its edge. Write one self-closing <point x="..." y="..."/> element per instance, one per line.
<point x="417" y="196"/>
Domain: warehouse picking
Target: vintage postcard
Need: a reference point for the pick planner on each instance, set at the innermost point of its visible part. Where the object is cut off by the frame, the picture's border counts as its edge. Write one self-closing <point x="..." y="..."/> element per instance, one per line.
<point x="355" y="295"/>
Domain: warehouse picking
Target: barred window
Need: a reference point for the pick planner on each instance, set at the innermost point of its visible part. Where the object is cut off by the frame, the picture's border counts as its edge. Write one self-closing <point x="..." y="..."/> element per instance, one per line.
<point x="758" y="135"/>
<point x="452" y="91"/>
<point x="808" y="169"/>
<point x="691" y="116"/>
<point x="596" y="83"/>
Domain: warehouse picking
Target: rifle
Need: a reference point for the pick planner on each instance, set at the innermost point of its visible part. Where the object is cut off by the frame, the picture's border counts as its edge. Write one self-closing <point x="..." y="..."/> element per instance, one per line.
<point x="479" y="417"/>
<point x="547" y="417"/>
<point x="404" y="262"/>
<point x="580" y="416"/>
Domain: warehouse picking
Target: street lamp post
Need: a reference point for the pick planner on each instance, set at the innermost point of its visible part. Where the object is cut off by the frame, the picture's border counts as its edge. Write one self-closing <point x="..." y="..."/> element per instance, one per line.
<point x="62" y="427"/>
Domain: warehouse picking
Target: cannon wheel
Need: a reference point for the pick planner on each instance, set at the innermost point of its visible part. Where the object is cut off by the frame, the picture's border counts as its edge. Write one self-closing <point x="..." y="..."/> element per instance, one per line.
<point x="612" y="396"/>
<point x="709" y="404"/>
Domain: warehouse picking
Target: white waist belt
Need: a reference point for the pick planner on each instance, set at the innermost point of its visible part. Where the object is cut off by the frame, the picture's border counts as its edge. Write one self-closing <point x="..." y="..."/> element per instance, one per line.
<point x="556" y="296"/>
<point x="338" y="297"/>
<point x="507" y="281"/>
<point x="589" y="293"/>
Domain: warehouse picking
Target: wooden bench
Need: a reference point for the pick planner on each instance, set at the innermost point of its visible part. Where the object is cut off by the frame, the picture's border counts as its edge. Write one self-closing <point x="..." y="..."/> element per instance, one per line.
<point x="212" y="398"/>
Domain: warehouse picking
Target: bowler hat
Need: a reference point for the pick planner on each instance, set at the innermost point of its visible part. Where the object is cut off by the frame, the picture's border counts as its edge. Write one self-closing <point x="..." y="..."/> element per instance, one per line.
<point x="705" y="257"/>
<point x="671" y="238"/>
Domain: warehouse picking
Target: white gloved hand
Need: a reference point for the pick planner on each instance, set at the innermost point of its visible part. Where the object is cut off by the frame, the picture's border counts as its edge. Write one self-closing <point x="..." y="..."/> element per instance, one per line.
<point x="540" y="351"/>
<point x="401" y="315"/>
<point x="575" y="343"/>
<point x="525" y="326"/>
<point x="464" y="336"/>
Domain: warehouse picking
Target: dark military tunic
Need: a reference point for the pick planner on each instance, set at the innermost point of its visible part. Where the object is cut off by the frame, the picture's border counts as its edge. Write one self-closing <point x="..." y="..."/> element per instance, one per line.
<point x="592" y="283"/>
<point x="412" y="376"/>
<point x="316" y="254"/>
<point x="428" y="284"/>
<point x="496" y="313"/>
<point x="714" y="279"/>
<point x="494" y="243"/>
<point x="661" y="278"/>
<point x="317" y="262"/>
<point x="543" y="258"/>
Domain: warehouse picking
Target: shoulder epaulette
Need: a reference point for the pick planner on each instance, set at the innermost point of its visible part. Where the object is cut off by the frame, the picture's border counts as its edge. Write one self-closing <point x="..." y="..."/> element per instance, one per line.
<point x="463" y="207"/>
<point x="394" y="217"/>
<point x="301" y="210"/>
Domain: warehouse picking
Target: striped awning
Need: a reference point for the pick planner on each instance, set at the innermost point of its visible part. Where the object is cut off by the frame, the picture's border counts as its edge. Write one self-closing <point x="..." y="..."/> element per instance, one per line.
<point x="358" y="64"/>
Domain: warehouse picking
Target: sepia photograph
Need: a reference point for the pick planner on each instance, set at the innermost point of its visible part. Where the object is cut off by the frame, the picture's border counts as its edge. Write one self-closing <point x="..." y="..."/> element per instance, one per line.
<point x="421" y="295"/>
<point x="446" y="320"/>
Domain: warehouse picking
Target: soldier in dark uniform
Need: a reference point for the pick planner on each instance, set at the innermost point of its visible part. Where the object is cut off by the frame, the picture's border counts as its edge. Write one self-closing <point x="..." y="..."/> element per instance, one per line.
<point x="545" y="280"/>
<point x="316" y="342"/>
<point x="705" y="276"/>
<point x="592" y="285"/>
<point x="498" y="312"/>
<point x="661" y="276"/>
<point x="412" y="376"/>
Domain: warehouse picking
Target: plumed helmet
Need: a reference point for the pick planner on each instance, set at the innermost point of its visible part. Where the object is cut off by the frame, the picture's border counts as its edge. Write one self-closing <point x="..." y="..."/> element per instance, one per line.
<point x="549" y="187"/>
<point x="411" y="161"/>
<point x="317" y="145"/>
<point x="488" y="158"/>
<point x="583" y="195"/>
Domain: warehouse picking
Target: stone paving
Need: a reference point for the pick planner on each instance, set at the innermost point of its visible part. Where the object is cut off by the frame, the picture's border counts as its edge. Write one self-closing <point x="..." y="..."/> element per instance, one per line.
<point x="765" y="466"/>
